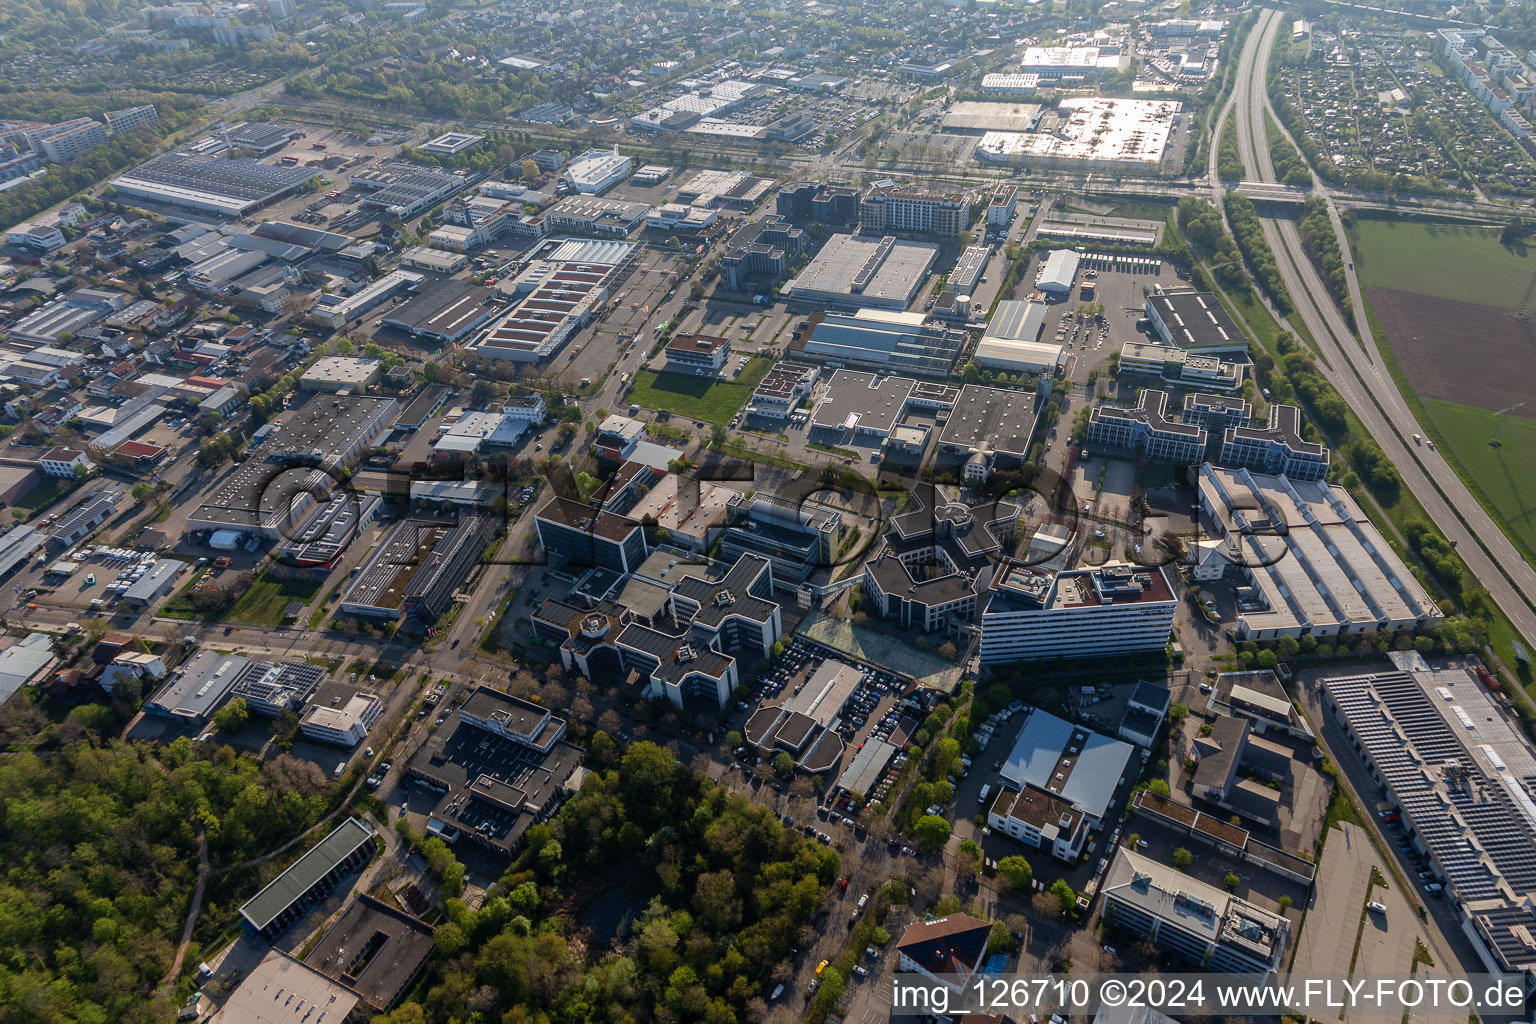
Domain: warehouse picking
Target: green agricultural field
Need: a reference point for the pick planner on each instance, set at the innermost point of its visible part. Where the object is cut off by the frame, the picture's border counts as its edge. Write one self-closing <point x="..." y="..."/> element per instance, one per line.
<point x="1503" y="473"/>
<point x="700" y="398"/>
<point x="1449" y="262"/>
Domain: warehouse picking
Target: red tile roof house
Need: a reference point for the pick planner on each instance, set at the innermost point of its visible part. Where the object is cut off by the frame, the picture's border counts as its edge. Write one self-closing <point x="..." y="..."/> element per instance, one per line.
<point x="947" y="950"/>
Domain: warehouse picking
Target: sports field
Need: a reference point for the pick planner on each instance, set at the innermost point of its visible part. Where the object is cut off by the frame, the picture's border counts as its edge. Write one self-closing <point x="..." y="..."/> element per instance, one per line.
<point x="1447" y="261"/>
<point x="1506" y="474"/>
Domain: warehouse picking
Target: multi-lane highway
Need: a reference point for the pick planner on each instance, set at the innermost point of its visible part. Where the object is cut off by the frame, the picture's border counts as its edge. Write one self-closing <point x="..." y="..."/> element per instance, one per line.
<point x="1354" y="366"/>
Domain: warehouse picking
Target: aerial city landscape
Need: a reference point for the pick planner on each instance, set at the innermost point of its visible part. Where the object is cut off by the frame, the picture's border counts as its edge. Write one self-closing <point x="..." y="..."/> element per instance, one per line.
<point x="714" y="513"/>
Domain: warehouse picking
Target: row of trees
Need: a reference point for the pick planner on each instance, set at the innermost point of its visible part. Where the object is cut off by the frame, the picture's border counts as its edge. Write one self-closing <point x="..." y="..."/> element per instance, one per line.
<point x="1322" y="245"/>
<point x="1260" y="259"/>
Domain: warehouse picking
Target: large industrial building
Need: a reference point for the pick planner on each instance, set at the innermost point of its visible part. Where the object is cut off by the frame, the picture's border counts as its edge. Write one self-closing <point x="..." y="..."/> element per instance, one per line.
<point x="1194" y="321"/>
<point x="887" y="340"/>
<point x="1057" y="784"/>
<point x="298" y="463"/>
<point x="557" y="292"/>
<point x="1314" y="564"/>
<point x="597" y="170"/>
<point x="1114" y="609"/>
<point x="1196" y="922"/>
<point x="865" y="408"/>
<point x="445" y="312"/>
<point x="1014" y="340"/>
<point x="1090" y="133"/>
<point x="856" y="270"/>
<point x="418" y="567"/>
<point x="309" y="879"/>
<point x="989" y="429"/>
<point x="1444" y="751"/>
<point x="213" y="185"/>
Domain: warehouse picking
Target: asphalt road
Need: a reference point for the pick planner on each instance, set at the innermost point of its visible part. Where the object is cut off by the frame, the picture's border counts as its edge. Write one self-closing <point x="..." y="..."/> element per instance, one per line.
<point x="1355" y="367"/>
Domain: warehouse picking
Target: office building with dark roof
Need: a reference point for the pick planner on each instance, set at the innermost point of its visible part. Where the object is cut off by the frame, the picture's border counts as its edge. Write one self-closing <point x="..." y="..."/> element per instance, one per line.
<point x="989" y="428"/>
<point x="418" y="567"/>
<point x="937" y="560"/>
<point x="309" y="879"/>
<point x="1147" y="430"/>
<point x="376" y="950"/>
<point x="583" y="536"/>
<point x="761" y="253"/>
<point x="502" y="768"/>
<point x="1277" y="447"/>
<point x="1215" y="412"/>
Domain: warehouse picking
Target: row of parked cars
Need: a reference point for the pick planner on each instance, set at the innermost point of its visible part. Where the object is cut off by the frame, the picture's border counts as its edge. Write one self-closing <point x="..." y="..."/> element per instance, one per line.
<point x="1394" y="822"/>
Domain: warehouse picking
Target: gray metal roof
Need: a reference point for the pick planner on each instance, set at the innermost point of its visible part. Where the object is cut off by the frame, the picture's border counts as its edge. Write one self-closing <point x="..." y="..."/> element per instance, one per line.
<point x="260" y="910"/>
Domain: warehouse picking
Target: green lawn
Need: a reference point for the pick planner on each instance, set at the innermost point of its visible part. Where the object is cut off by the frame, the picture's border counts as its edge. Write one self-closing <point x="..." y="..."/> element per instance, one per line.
<point x="1449" y="262"/>
<point x="263" y="604"/>
<point x="700" y="398"/>
<point x="46" y="493"/>
<point x="1505" y="474"/>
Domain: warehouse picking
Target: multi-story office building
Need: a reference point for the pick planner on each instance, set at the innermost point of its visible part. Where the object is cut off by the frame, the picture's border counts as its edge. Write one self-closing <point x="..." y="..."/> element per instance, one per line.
<point x="936" y="559"/>
<point x="697" y="353"/>
<point x="342" y="725"/>
<point x="761" y="253"/>
<point x="798" y="537"/>
<point x="1194" y="921"/>
<point x="886" y="340"/>
<point x="1148" y="431"/>
<point x="584" y="536"/>
<point x="1001" y="206"/>
<point x="1215" y="412"/>
<point x="900" y="211"/>
<point x="1113" y="609"/>
<point x="1277" y="447"/>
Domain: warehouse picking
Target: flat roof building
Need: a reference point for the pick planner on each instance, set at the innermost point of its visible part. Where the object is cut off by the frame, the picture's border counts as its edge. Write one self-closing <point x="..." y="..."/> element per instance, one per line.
<point x="585" y="536"/>
<point x="281" y="990"/>
<point x="887" y="340"/>
<point x="336" y="310"/>
<point x="309" y="879"/>
<point x="561" y="286"/>
<point x="375" y="950"/>
<point x="341" y="373"/>
<point x="1314" y="563"/>
<point x="1194" y="321"/>
<point x="1445" y="753"/>
<point x="782" y="388"/>
<point x="856" y="270"/>
<point x="1089" y="133"/>
<point x="907" y="211"/>
<point x="802" y="725"/>
<point x="502" y="768"/>
<point x="25" y="662"/>
<point x="445" y="312"/>
<point x="591" y="215"/>
<point x="214" y="185"/>
<point x="597" y="170"/>
<point x="1112" y="609"/>
<point x="996" y="422"/>
<point x="452" y="143"/>
<point x="1196" y="922"/>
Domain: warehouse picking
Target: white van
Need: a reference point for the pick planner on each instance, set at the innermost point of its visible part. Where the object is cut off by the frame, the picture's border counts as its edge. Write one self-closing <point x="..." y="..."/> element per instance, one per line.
<point x="986" y="791"/>
<point x="339" y="770"/>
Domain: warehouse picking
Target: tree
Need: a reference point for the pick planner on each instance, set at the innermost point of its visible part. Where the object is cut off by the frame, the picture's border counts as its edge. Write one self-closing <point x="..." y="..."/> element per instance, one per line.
<point x="1182" y="858"/>
<point x="947" y="651"/>
<point x="783" y="765"/>
<point x="1015" y="870"/>
<point x="232" y="716"/>
<point x="1177" y="713"/>
<point x="1046" y="906"/>
<point x="1066" y="898"/>
<point x="530" y="170"/>
<point x="931" y="830"/>
<point x="1231" y="881"/>
<point x="1285" y="903"/>
<point x="1158" y="787"/>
